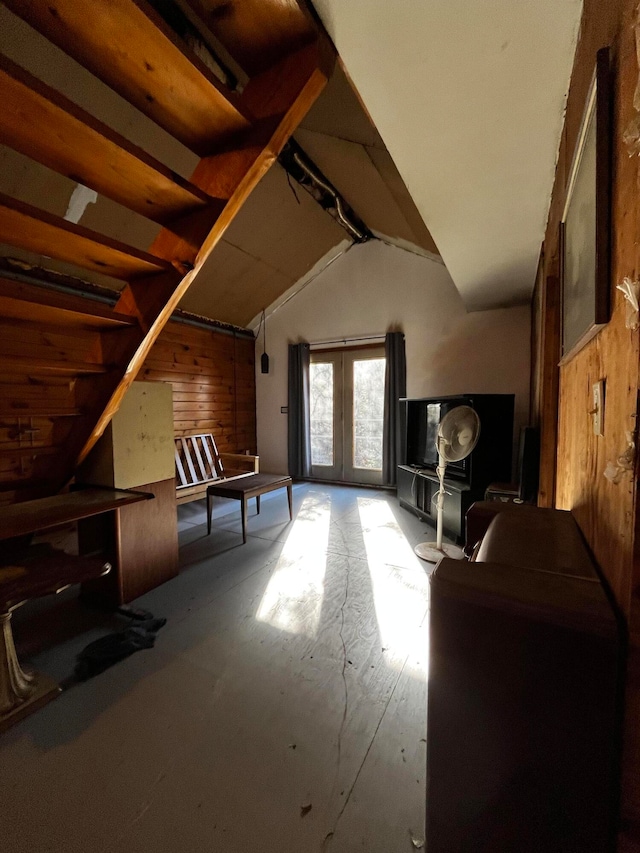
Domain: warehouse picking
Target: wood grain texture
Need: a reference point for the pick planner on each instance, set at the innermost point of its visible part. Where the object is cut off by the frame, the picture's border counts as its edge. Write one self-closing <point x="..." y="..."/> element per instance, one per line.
<point x="48" y="340"/>
<point x="44" y="125"/>
<point x="61" y="509"/>
<point x="128" y="46"/>
<point x="256" y="32"/>
<point x="22" y="301"/>
<point x="147" y="542"/>
<point x="606" y="513"/>
<point x="179" y="349"/>
<point x="37" y="231"/>
<point x="280" y="98"/>
<point x="603" y="510"/>
<point x="547" y="411"/>
<point x="38" y="367"/>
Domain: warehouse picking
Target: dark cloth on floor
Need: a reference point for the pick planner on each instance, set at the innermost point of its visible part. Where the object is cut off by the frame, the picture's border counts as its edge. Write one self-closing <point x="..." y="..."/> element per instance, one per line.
<point x="104" y="652"/>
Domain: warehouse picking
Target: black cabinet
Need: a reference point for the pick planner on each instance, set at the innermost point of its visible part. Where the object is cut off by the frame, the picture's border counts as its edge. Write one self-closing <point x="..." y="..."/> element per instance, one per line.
<point x="417" y="492"/>
<point x="466" y="481"/>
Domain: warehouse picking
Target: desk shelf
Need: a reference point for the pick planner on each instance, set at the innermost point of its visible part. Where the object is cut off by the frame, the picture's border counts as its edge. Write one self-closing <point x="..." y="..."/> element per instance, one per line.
<point x="30" y="571"/>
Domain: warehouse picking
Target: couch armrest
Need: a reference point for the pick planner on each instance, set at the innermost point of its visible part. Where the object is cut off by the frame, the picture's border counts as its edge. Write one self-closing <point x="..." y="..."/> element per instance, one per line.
<point x="241" y="461"/>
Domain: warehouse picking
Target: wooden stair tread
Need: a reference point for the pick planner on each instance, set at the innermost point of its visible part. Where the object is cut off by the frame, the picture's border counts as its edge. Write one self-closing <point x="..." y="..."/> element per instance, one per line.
<point x="39" y="483"/>
<point x="127" y="45"/>
<point x="41" y="410"/>
<point x="37" y="231"/>
<point x="150" y="68"/>
<point x="279" y="98"/>
<point x="44" y="125"/>
<point x="10" y="452"/>
<point x="23" y="301"/>
<point x="257" y="33"/>
<point x="39" y="366"/>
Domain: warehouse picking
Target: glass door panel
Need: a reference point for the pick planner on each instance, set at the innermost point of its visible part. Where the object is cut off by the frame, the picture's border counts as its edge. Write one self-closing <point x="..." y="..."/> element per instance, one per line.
<point x="346" y="415"/>
<point x="364" y="407"/>
<point x="325" y="393"/>
<point x="322" y="443"/>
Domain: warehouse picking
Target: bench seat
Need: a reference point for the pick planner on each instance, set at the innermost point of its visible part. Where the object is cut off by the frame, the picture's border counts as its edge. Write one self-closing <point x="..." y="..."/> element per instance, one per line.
<point x="199" y="464"/>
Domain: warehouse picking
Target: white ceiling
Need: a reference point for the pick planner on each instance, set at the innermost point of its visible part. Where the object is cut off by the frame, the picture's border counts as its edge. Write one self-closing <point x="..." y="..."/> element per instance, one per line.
<point x="468" y="96"/>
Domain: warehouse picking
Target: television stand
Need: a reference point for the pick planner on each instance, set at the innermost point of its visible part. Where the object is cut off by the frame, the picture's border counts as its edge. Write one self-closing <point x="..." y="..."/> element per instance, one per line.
<point x="417" y="490"/>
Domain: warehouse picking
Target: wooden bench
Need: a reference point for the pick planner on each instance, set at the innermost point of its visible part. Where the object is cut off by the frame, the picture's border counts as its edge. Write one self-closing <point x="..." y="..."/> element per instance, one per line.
<point x="243" y="489"/>
<point x="199" y="464"/>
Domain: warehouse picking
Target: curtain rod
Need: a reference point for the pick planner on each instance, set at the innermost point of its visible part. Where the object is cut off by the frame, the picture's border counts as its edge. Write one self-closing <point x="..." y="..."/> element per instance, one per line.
<point x="348" y="340"/>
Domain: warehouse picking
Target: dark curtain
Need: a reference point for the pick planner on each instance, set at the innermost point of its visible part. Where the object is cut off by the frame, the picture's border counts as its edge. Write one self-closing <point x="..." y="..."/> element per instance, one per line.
<point x="395" y="386"/>
<point x="299" y="431"/>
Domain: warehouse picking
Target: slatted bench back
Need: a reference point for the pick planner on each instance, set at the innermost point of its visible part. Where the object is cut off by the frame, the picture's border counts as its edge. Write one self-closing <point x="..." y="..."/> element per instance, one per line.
<point x="197" y="460"/>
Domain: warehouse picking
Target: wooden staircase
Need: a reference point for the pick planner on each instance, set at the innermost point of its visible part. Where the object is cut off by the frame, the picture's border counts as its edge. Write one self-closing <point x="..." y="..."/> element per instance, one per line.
<point x="65" y="363"/>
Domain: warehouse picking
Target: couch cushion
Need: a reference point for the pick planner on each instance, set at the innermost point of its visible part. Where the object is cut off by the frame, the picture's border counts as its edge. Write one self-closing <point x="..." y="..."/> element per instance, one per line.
<point x="536" y="538"/>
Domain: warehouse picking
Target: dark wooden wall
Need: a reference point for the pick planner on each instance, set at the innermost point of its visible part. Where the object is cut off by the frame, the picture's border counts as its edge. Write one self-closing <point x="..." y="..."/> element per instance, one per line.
<point x="212" y="374"/>
<point x="573" y="458"/>
<point x="54" y="350"/>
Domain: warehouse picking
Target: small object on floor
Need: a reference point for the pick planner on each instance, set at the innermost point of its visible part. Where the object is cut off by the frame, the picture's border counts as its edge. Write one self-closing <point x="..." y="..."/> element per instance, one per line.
<point x="417" y="842"/>
<point x="134" y="613"/>
<point x="106" y="651"/>
<point x="305" y="808"/>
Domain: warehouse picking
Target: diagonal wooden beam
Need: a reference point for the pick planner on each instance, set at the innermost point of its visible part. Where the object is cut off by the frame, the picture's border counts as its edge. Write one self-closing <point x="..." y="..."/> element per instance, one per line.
<point x="279" y="99"/>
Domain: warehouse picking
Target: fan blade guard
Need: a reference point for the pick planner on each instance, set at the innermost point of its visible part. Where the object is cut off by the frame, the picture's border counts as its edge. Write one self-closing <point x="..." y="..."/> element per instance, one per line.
<point x="458" y="433"/>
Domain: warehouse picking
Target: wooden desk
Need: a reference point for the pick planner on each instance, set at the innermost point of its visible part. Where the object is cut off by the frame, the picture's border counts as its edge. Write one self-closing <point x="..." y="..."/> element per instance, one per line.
<point x="245" y="488"/>
<point x="44" y="513"/>
<point x="30" y="571"/>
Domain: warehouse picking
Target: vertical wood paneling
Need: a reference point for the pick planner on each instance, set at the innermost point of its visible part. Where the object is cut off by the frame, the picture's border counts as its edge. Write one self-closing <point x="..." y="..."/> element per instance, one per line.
<point x="212" y="374"/>
<point x="605" y="512"/>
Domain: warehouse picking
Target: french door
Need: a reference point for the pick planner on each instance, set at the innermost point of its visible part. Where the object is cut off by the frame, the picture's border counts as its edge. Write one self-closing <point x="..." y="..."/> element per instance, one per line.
<point x="347" y="407"/>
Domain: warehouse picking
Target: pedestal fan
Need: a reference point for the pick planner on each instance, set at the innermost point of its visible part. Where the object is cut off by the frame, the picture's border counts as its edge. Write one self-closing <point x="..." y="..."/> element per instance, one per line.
<point x="458" y="434"/>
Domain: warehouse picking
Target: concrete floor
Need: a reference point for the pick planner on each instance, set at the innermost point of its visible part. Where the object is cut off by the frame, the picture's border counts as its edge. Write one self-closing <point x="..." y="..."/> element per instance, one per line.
<point x="282" y="709"/>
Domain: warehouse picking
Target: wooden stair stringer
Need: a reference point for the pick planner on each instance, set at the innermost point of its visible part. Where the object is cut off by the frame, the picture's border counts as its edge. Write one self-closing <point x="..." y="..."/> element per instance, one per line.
<point x="279" y="99"/>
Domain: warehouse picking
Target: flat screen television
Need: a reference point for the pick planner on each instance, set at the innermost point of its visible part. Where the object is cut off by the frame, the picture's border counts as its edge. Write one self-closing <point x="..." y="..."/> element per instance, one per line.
<point x="422" y="430"/>
<point x="491" y="459"/>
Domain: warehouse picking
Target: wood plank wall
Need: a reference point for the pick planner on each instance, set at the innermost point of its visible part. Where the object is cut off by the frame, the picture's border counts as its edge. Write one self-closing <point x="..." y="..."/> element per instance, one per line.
<point x="212" y="374"/>
<point x="573" y="458"/>
<point x="38" y="400"/>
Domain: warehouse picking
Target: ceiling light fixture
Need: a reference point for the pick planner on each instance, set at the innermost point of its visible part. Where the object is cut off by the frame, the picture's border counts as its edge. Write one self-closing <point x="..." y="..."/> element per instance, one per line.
<point x="264" y="358"/>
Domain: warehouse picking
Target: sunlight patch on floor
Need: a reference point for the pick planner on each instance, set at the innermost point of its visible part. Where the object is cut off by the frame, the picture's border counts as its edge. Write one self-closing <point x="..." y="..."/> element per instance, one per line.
<point x="400" y="586"/>
<point x="293" y="598"/>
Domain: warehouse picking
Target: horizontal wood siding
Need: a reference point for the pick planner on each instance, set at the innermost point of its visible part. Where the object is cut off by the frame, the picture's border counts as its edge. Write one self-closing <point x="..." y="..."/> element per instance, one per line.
<point x="212" y="374"/>
<point x="49" y="349"/>
<point x="39" y="365"/>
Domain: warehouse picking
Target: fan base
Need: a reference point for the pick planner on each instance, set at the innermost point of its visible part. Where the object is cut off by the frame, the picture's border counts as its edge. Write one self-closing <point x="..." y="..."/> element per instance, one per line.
<point x="429" y="552"/>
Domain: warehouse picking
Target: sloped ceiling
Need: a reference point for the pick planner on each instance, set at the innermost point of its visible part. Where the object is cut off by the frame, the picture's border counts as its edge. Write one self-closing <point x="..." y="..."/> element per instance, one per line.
<point x="468" y="98"/>
<point x="281" y="232"/>
<point x="339" y="137"/>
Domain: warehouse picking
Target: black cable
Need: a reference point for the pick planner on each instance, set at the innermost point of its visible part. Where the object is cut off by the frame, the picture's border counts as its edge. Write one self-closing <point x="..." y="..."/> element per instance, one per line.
<point x="293" y="190"/>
